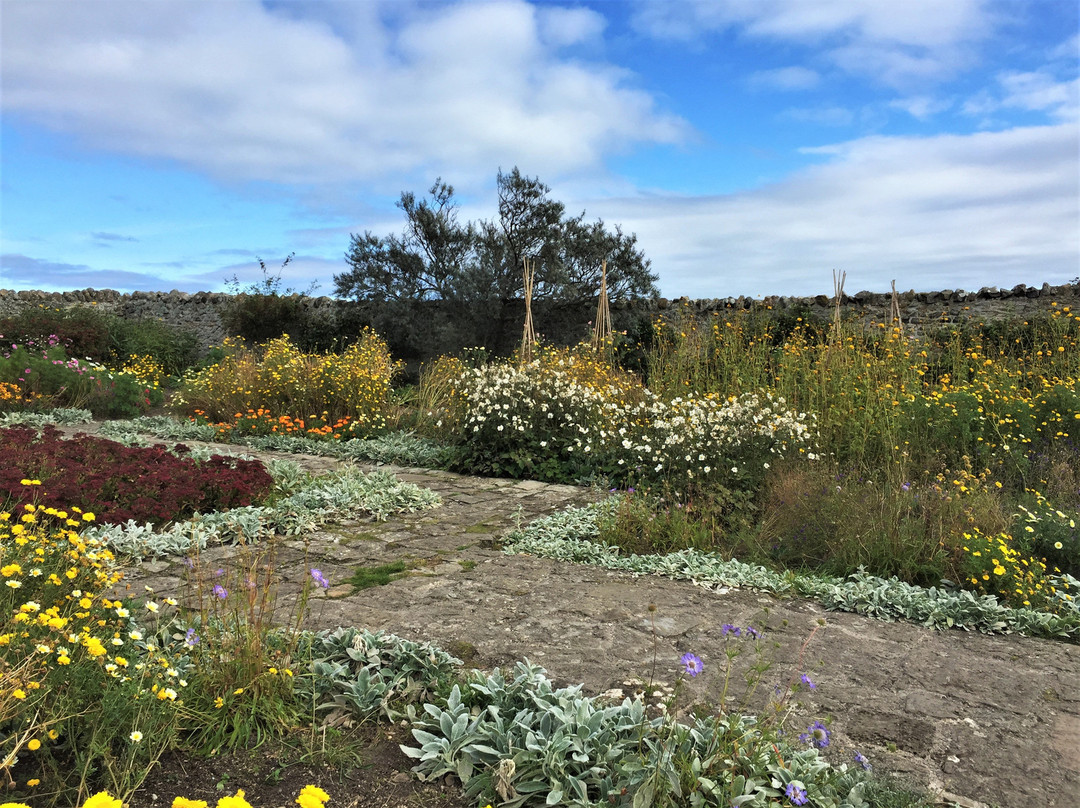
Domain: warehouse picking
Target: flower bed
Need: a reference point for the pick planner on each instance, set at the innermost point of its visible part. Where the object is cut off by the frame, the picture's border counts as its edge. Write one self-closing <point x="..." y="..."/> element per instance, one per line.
<point x="118" y="483"/>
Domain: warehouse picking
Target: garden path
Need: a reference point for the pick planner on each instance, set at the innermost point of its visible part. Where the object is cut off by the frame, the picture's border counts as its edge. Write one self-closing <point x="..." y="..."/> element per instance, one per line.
<point x="981" y="720"/>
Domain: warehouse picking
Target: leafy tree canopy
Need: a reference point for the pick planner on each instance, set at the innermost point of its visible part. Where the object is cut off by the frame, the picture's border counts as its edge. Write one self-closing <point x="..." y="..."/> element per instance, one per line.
<point x="438" y="257"/>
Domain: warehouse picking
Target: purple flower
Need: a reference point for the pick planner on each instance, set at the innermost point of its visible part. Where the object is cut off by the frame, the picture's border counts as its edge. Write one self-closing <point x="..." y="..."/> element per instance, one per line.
<point x="692" y="663"/>
<point x="906" y="487"/>
<point x="796" y="795"/>
<point x="191" y="639"/>
<point x="816" y="735"/>
<point x="727" y="628"/>
<point x="806" y="680"/>
<point x="221" y="591"/>
<point x="219" y="572"/>
<point x="862" y="761"/>
<point x="319" y="578"/>
<point x="753" y="633"/>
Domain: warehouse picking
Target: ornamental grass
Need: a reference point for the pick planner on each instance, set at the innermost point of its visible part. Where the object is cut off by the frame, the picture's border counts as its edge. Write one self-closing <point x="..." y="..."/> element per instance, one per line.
<point x="931" y="444"/>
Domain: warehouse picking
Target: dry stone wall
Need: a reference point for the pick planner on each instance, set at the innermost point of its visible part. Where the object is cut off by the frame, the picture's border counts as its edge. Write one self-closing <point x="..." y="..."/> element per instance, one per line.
<point x="199" y="312"/>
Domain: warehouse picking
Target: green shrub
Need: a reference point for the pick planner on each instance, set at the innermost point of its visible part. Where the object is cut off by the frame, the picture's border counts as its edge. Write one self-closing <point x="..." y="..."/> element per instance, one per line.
<point x="47" y="378"/>
<point x="84" y="332"/>
<point x="264" y="311"/>
<point x="87" y="333"/>
<point x="668" y="521"/>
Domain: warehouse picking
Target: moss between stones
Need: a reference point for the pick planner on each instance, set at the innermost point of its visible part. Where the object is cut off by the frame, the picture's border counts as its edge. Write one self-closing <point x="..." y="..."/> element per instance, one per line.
<point x="367" y="577"/>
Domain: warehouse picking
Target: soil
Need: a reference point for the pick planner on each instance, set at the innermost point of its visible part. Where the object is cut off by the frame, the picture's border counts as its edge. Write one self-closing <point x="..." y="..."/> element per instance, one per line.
<point x="975" y="719"/>
<point x="374" y="775"/>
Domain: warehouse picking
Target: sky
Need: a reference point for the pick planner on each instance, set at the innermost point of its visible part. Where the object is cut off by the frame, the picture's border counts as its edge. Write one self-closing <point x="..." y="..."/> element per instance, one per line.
<point x="753" y="146"/>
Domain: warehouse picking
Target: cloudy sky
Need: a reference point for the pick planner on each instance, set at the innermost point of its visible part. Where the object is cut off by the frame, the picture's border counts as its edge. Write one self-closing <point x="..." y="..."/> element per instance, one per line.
<point x="753" y="146"/>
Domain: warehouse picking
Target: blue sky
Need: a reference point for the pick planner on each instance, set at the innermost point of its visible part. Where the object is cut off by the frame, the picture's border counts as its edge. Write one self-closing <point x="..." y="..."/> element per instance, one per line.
<point x="753" y="146"/>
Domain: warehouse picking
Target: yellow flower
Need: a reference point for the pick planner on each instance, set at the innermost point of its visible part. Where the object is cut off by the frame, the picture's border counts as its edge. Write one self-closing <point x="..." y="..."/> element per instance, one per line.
<point x="184" y="802"/>
<point x="219" y="702"/>
<point x="14" y="804"/>
<point x="33" y="744"/>
<point x="235" y="801"/>
<point x="238" y="691"/>
<point x="102" y="800"/>
<point x="312" y="797"/>
<point x="19" y="693"/>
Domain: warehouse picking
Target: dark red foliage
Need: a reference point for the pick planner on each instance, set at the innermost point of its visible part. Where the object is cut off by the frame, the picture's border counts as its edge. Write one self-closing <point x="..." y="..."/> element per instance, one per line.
<point x="118" y="483"/>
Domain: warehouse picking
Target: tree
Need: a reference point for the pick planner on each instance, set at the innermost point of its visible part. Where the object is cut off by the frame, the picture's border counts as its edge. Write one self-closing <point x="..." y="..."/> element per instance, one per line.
<point x="427" y="261"/>
<point x="438" y="258"/>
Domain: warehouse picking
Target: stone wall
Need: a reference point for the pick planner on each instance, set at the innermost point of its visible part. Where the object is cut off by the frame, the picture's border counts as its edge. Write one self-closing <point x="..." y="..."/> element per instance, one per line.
<point x="198" y="312"/>
<point x="916" y="308"/>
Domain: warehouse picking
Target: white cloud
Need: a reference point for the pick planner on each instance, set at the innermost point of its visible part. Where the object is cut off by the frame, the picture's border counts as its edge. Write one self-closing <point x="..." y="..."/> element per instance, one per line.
<point x="243" y="92"/>
<point x="921" y="106"/>
<point x="1069" y="50"/>
<point x="894" y="42"/>
<point x="1034" y="91"/>
<point x="1038" y="90"/>
<point x="569" y="26"/>
<point x="989" y="209"/>
<point x="786" y="78"/>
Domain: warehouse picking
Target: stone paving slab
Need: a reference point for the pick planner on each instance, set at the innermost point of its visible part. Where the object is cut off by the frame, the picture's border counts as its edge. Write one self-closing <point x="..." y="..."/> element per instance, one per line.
<point x="990" y="720"/>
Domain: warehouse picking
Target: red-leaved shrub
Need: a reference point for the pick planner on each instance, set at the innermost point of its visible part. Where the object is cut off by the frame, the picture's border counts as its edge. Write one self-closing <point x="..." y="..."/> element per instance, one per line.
<point x="118" y="483"/>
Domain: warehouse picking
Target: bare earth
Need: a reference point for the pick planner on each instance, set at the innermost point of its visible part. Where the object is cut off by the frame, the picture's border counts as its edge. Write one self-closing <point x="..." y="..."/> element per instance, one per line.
<point x="991" y="720"/>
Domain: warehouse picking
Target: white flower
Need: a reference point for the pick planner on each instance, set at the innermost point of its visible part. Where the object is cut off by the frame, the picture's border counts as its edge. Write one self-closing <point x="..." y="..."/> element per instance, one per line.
<point x="135" y="736"/>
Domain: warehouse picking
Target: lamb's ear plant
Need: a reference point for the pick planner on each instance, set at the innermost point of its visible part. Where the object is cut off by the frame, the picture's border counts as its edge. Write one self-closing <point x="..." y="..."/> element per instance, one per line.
<point x="367" y="675"/>
<point x="573" y="535"/>
<point x="299" y="505"/>
<point x="391" y="448"/>
<point x="59" y="415"/>
<point x="513" y="739"/>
